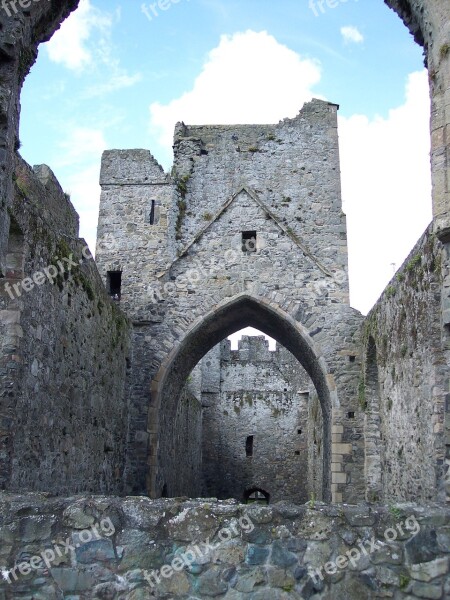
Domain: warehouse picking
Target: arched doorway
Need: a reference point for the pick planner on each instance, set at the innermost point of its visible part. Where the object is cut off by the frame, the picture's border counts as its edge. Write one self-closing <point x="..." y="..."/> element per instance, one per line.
<point x="256" y="496"/>
<point x="167" y="460"/>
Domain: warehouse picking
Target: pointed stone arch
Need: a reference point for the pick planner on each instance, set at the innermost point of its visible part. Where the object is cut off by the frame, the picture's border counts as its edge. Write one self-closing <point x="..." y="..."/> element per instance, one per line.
<point x="227" y="317"/>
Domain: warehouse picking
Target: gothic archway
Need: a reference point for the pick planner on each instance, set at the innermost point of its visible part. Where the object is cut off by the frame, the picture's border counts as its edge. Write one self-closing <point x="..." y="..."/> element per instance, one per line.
<point x="226" y="318"/>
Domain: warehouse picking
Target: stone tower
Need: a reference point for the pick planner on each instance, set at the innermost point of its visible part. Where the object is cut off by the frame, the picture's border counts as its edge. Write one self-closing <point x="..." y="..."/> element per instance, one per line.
<point x="247" y="230"/>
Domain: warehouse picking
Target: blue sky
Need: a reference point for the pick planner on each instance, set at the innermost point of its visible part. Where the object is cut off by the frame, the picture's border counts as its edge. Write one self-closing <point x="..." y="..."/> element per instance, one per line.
<point x="120" y="74"/>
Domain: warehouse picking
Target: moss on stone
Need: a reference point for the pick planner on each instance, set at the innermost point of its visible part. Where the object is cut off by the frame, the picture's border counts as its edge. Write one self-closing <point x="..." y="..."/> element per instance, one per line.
<point x="444" y="50"/>
<point x="390" y="291"/>
<point x="413" y="263"/>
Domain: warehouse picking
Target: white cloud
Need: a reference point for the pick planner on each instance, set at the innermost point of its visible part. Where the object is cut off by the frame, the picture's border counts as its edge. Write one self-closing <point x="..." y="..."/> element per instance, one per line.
<point x="251" y="78"/>
<point x="386" y="187"/>
<point x="352" y="35"/>
<point x="248" y="78"/>
<point x="84" y="188"/>
<point x="118" y="81"/>
<point x="69" y="45"/>
<point x="80" y="146"/>
<point x="78" y="172"/>
<point x="83" y="44"/>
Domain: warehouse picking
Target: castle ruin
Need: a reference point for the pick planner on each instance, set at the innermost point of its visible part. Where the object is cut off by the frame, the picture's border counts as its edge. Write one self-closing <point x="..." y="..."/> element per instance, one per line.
<point x="117" y="386"/>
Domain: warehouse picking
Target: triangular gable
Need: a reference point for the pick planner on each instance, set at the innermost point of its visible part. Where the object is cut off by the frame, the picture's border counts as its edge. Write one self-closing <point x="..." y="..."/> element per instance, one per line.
<point x="287" y="230"/>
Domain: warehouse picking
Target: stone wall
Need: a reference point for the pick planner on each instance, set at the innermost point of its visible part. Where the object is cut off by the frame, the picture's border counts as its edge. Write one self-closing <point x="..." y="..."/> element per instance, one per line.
<point x="163" y="329"/>
<point x="188" y="425"/>
<point x="263" y="394"/>
<point x="138" y="549"/>
<point x="280" y="181"/>
<point x="63" y="346"/>
<point x="315" y="448"/>
<point x="22" y="29"/>
<point x="404" y="389"/>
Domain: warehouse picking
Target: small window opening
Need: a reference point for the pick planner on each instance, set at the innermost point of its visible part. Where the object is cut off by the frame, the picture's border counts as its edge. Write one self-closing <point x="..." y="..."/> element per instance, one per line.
<point x="249" y="446"/>
<point x="115" y="284"/>
<point x="256" y="496"/>
<point x="164" y="493"/>
<point x="352" y="358"/>
<point x="351" y="415"/>
<point x="299" y="431"/>
<point x="297" y="453"/>
<point x="249" y="241"/>
<point x="152" y="213"/>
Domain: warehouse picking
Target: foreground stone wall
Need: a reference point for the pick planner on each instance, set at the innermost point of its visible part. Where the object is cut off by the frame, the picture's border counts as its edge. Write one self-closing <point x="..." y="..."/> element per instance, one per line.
<point x="63" y="346"/>
<point x="138" y="549"/>
<point x="263" y="394"/>
<point x="403" y="391"/>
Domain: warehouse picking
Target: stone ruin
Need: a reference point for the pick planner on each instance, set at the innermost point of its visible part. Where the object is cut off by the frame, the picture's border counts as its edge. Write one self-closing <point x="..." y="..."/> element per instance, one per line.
<point x="120" y="400"/>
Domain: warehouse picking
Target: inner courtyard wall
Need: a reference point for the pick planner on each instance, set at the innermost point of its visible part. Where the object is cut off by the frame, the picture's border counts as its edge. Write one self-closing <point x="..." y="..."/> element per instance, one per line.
<point x="255" y="422"/>
<point x="63" y="351"/>
<point x="404" y="390"/>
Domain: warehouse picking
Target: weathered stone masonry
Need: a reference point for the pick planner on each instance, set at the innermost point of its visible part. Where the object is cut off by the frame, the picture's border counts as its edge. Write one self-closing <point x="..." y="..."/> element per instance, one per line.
<point x="63" y="350"/>
<point x="255" y="422"/>
<point x="180" y="273"/>
<point x="258" y="553"/>
<point x="403" y="389"/>
<point x="66" y="425"/>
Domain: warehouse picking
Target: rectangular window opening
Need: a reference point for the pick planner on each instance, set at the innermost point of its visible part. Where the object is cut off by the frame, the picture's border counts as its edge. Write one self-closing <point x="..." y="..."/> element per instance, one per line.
<point x="351" y="415"/>
<point x="249" y="241"/>
<point x="152" y="213"/>
<point x="114" y="280"/>
<point x="249" y="446"/>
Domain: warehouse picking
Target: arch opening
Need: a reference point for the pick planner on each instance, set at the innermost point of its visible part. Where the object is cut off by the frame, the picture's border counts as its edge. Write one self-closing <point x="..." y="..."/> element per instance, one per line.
<point x="256" y="496"/>
<point x="169" y="462"/>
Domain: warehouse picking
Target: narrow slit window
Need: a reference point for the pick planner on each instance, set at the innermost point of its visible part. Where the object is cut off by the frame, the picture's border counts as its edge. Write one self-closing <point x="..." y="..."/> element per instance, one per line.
<point x="152" y="213"/>
<point x="115" y="284"/>
<point x="249" y="241"/>
<point x="249" y="446"/>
